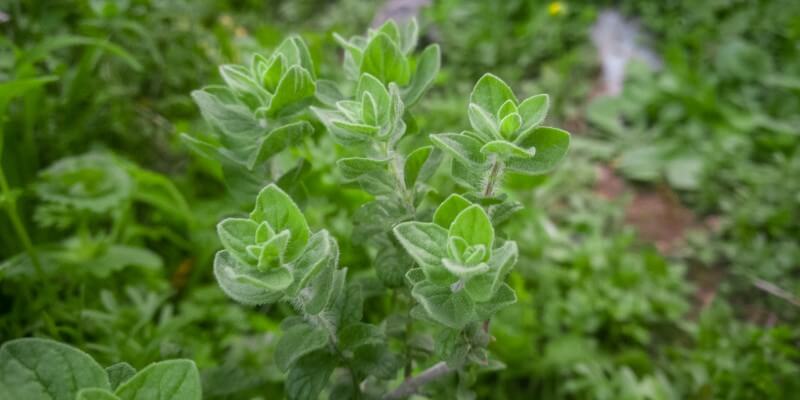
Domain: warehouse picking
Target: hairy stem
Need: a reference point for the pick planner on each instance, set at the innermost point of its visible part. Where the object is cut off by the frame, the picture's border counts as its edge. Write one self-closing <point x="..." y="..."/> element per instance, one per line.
<point x="412" y="385"/>
<point x="495" y="173"/>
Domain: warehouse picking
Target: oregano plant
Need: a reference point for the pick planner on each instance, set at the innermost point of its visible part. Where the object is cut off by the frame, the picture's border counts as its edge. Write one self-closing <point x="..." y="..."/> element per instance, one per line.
<point x="443" y="265"/>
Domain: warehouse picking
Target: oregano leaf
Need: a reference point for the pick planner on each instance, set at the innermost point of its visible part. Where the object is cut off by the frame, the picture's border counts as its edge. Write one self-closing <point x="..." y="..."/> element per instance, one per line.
<point x="551" y="145"/>
<point x="297" y="341"/>
<point x="446" y="213"/>
<point x="490" y="92"/>
<point x="473" y="225"/>
<point x="173" y="379"/>
<point x="119" y="373"/>
<point x="279" y="210"/>
<point x="384" y="60"/>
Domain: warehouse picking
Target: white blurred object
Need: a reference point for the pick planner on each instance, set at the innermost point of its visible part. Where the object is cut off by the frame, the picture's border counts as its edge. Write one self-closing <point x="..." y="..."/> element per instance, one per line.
<point x="399" y="10"/>
<point x="618" y="42"/>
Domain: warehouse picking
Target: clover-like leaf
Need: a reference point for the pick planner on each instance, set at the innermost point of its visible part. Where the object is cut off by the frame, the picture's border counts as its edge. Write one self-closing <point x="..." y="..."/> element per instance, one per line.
<point x="173" y="379"/>
<point x="275" y="207"/>
<point x="490" y="92"/>
<point x="45" y="369"/>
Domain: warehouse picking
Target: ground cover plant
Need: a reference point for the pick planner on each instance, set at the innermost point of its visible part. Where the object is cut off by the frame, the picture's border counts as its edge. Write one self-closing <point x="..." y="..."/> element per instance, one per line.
<point x="332" y="199"/>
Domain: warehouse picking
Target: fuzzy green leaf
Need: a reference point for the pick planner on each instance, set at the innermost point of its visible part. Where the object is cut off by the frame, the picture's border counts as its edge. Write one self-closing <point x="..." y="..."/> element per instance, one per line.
<point x="296" y="85"/>
<point x="490" y="93"/>
<point x="384" y="60"/>
<point x="450" y="309"/>
<point x="173" y="379"/>
<point x="275" y="207"/>
<point x="551" y="145"/>
<point x="427" y="68"/>
<point x="483" y="122"/>
<point x="280" y="138"/>
<point x="45" y="369"/>
<point x="484" y="287"/>
<point x="450" y="208"/>
<point x="461" y="147"/>
<point x="473" y="225"/>
<point x="426" y="244"/>
<point x="309" y="375"/>
<point x="533" y="111"/>
<point x="247" y="285"/>
<point x="119" y="373"/>
<point x="413" y="165"/>
<point x="297" y="341"/>
<point x="506" y="149"/>
<point x="96" y="394"/>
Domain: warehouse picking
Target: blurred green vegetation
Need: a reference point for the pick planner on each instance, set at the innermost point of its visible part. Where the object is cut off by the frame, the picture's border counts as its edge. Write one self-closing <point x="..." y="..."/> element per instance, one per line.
<point x="108" y="219"/>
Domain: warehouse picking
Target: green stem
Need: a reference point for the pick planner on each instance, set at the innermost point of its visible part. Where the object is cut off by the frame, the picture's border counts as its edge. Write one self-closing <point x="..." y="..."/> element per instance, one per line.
<point x="13" y="215"/>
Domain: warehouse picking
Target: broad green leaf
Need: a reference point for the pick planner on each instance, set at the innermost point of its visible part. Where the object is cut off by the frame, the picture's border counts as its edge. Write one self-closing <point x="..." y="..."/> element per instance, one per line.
<point x="391" y="264"/>
<point x="504" y="297"/>
<point x="450" y="208"/>
<point x="354" y="167"/>
<point x="316" y="256"/>
<point x="484" y="287"/>
<point x="461" y="147"/>
<point x="280" y="138"/>
<point x="428" y="67"/>
<point x="384" y="60"/>
<point x="295" y="86"/>
<point x="173" y="379"/>
<point x="309" y="375"/>
<point x="96" y="394"/>
<point x="369" y="109"/>
<point x="119" y="373"/>
<point x="443" y="305"/>
<point x="236" y="234"/>
<point x="247" y="285"/>
<point x="357" y="129"/>
<point x="44" y="369"/>
<point x="483" y="122"/>
<point x="424" y="242"/>
<point x="232" y="119"/>
<point x="297" y="341"/>
<point x="551" y="145"/>
<point x="510" y="124"/>
<point x="464" y="272"/>
<point x="473" y="225"/>
<point x="349" y="306"/>
<point x="372" y="85"/>
<point x="533" y="111"/>
<point x="273" y="73"/>
<point x="506" y="149"/>
<point x="376" y="359"/>
<point x="490" y="93"/>
<point x="238" y="78"/>
<point x="321" y="291"/>
<point x="413" y="164"/>
<point x="277" y="208"/>
<point x="359" y="334"/>
<point x="409" y="33"/>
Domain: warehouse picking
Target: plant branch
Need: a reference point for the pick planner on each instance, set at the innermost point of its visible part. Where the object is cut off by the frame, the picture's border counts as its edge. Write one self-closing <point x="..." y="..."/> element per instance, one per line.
<point x="494" y="176"/>
<point x="412" y="385"/>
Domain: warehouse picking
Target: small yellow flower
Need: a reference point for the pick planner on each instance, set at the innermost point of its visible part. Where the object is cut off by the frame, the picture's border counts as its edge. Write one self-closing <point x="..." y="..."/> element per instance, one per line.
<point x="556" y="8"/>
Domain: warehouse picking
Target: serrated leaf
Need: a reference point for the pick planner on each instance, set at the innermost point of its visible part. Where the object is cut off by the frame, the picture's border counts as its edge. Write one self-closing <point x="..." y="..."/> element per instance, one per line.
<point x="297" y="341"/>
<point x="413" y="164"/>
<point x="119" y="373"/>
<point x="506" y="149"/>
<point x="446" y="213"/>
<point x="473" y="225"/>
<point x="428" y="67"/>
<point x="551" y="145"/>
<point x="490" y="93"/>
<point x="451" y="309"/>
<point x="173" y="379"/>
<point x="45" y="369"/>
<point x="296" y="85"/>
<point x="309" y="376"/>
<point x="461" y="147"/>
<point x="279" y="210"/>
<point x="384" y="60"/>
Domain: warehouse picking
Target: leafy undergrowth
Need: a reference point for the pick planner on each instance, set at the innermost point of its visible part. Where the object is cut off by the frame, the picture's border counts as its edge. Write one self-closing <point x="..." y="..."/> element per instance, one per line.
<point x="382" y="202"/>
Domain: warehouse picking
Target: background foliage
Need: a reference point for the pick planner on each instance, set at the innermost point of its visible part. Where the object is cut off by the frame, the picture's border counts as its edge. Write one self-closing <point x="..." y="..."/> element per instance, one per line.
<point x="121" y="215"/>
